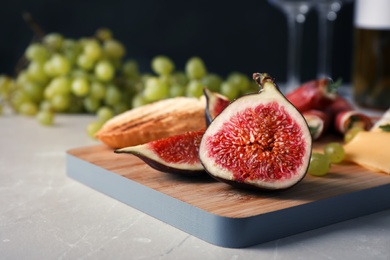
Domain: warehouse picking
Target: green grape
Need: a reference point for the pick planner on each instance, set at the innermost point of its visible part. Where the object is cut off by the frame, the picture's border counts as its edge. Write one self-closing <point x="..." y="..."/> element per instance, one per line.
<point x="28" y="108"/>
<point x="319" y="164"/>
<point x="179" y="78"/>
<point x="6" y="85"/>
<point x="37" y="52"/>
<point x="212" y="82"/>
<point x="53" y="41"/>
<point x="176" y="90"/>
<point x="351" y="133"/>
<point x="130" y="69"/>
<point x="34" y="91"/>
<point x="60" y="102"/>
<point x="45" y="105"/>
<point x="104" y="113"/>
<point x="104" y="70"/>
<point x="335" y="152"/>
<point x="162" y="65"/>
<point x="241" y="81"/>
<point x="80" y="86"/>
<point x="49" y="69"/>
<point x="229" y="90"/>
<point x="36" y="72"/>
<point x="93" y="127"/>
<point x="113" y="95"/>
<point x="45" y="117"/>
<point x="18" y="98"/>
<point x="98" y="90"/>
<point x="22" y="78"/>
<point x="194" y="88"/>
<point x="92" y="50"/>
<point x="85" y="62"/>
<point x="1" y="109"/>
<point x="195" y="68"/>
<point x="120" y="107"/>
<point x="91" y="104"/>
<point x="114" y="49"/>
<point x="60" y="65"/>
<point x="104" y="34"/>
<point x="138" y="100"/>
<point x="155" y="89"/>
<point x="58" y="85"/>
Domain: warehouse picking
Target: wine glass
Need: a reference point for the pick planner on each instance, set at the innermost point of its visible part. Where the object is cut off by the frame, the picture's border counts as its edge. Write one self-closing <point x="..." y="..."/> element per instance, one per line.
<point x="295" y="11"/>
<point x="327" y="14"/>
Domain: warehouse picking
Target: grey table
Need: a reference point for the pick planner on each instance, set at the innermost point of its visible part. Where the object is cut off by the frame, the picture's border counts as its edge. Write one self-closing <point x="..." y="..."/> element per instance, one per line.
<point x="46" y="215"/>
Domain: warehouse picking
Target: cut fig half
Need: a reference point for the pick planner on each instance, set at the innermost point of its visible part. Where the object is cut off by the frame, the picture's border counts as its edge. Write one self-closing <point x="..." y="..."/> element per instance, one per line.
<point x="178" y="154"/>
<point x="215" y="103"/>
<point x="259" y="141"/>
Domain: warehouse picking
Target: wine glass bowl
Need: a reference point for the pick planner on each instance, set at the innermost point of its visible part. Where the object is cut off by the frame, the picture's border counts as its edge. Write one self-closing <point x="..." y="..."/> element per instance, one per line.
<point x="295" y="11"/>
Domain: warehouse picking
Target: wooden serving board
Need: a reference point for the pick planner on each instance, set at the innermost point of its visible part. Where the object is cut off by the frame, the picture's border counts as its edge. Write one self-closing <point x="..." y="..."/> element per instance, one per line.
<point x="227" y="216"/>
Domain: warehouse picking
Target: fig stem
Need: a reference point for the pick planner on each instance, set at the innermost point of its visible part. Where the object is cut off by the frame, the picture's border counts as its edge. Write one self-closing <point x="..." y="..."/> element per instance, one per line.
<point x="262" y="78"/>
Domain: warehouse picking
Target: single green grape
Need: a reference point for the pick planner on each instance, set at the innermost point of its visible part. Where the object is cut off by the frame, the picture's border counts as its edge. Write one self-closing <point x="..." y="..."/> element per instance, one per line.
<point x="114" y="49"/>
<point x="85" y="62"/>
<point x="130" y="69"/>
<point x="104" y="113"/>
<point x="45" y="117"/>
<point x="98" y="90"/>
<point x="36" y="72"/>
<point x="229" y="90"/>
<point x="194" y="88"/>
<point x="155" y="89"/>
<point x="113" y="95"/>
<point x="213" y="82"/>
<point x="92" y="50"/>
<point x="162" y="65"/>
<point x="58" y="85"/>
<point x="104" y="70"/>
<point x="351" y="133"/>
<point x="120" y="107"/>
<point x="103" y="34"/>
<point x="34" y="91"/>
<point x="28" y="108"/>
<point x="53" y="40"/>
<point x="195" y="68"/>
<point x="18" y="98"/>
<point x="80" y="86"/>
<point x="37" y="52"/>
<point x="177" y="90"/>
<point x="138" y="100"/>
<point x="60" y="65"/>
<point x="179" y="78"/>
<point x="91" y="104"/>
<point x="319" y="164"/>
<point x="239" y="80"/>
<point x="60" y="102"/>
<point x="93" y="127"/>
<point x="335" y="152"/>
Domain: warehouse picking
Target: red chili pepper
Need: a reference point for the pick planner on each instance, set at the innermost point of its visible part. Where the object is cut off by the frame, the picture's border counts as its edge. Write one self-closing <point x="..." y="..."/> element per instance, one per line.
<point x="314" y="94"/>
<point x="318" y="122"/>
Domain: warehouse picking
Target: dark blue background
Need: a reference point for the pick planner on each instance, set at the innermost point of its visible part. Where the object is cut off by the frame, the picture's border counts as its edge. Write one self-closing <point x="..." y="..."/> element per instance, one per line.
<point x="246" y="35"/>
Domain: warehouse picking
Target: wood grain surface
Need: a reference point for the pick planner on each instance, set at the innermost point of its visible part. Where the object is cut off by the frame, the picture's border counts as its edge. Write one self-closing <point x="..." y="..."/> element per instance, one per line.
<point x="222" y="199"/>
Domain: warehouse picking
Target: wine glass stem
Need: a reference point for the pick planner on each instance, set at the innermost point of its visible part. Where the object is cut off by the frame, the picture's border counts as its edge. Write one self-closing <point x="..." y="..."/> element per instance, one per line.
<point x="294" y="52"/>
<point x="325" y="32"/>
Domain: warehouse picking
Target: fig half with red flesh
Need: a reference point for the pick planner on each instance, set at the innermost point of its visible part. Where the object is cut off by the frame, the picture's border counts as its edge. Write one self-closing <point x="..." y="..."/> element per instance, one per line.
<point x="259" y="141"/>
<point x="178" y="154"/>
<point x="215" y="103"/>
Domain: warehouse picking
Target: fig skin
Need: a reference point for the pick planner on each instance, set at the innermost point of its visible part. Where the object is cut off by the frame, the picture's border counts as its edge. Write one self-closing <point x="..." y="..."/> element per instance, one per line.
<point x="215" y="104"/>
<point x="152" y="153"/>
<point x="219" y="149"/>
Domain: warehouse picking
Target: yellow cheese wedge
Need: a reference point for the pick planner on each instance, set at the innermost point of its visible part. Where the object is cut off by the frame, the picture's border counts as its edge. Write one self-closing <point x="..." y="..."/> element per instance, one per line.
<point x="370" y="150"/>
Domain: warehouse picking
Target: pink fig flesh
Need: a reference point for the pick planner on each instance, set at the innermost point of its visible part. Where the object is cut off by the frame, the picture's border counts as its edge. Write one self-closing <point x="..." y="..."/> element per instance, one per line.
<point x="259" y="141"/>
<point x="178" y="154"/>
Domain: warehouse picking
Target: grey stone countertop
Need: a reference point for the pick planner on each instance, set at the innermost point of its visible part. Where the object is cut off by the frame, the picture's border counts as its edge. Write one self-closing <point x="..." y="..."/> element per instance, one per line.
<point x="44" y="214"/>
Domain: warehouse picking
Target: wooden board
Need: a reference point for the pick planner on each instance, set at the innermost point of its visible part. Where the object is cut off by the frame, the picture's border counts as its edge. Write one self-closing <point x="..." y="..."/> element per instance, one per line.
<point x="226" y="216"/>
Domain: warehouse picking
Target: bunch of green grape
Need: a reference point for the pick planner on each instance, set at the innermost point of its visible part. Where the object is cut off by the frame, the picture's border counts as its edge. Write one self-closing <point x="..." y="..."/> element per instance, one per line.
<point x="91" y="75"/>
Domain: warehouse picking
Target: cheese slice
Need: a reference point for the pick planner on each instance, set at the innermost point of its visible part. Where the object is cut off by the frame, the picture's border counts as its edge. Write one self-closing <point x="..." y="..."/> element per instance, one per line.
<point x="370" y="150"/>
